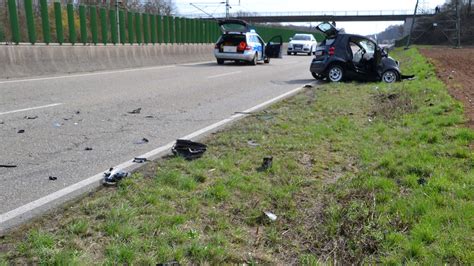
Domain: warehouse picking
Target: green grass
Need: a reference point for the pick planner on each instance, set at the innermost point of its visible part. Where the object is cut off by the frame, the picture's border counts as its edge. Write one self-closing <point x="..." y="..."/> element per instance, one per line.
<point x="361" y="173"/>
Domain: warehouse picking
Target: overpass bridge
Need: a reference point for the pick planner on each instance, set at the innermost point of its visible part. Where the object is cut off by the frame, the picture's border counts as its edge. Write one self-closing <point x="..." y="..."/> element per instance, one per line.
<point x="313" y="16"/>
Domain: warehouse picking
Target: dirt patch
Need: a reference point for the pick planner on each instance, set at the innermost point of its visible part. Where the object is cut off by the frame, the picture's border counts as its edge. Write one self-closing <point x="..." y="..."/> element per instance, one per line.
<point x="455" y="68"/>
<point x="390" y="105"/>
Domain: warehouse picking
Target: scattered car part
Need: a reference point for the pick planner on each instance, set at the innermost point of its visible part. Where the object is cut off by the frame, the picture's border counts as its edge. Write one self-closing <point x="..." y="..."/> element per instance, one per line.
<point x="31" y="117"/>
<point x="114" y="175"/>
<point x="188" y="149"/>
<point x="88" y="149"/>
<point x="7" y="165"/>
<point x="266" y="164"/>
<point x="21" y="131"/>
<point x="270" y="215"/>
<point x="142" y="141"/>
<point x="139" y="160"/>
<point x="53" y="178"/>
<point x="252" y="143"/>
<point x="135" y="111"/>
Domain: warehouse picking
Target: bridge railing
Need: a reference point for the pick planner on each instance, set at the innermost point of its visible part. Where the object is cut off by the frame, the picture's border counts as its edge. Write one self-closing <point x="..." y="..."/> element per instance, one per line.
<point x="320" y="13"/>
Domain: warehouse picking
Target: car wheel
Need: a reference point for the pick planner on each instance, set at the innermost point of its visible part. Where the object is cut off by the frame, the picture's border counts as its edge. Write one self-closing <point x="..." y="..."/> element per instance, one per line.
<point x="267" y="60"/>
<point x="335" y="73"/>
<point x="220" y="61"/>
<point x="310" y="50"/>
<point x="390" y="76"/>
<point x="254" y="60"/>
<point x="288" y="53"/>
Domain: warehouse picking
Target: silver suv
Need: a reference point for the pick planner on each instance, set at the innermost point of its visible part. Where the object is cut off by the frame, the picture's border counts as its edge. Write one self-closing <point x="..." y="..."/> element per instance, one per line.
<point x="302" y="43"/>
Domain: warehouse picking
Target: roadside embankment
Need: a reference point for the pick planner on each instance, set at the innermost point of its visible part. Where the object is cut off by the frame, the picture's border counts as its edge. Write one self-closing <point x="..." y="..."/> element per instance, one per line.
<point x="38" y="60"/>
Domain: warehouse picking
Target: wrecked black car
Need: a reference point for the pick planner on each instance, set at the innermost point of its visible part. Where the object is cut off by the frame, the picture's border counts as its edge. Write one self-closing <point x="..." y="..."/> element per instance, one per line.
<point x="344" y="56"/>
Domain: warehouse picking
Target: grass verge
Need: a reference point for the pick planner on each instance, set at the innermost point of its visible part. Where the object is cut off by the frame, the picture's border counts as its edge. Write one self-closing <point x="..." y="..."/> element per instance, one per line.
<point x="361" y="173"/>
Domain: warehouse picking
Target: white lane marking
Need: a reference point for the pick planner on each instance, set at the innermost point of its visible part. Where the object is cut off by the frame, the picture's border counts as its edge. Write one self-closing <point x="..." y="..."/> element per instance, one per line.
<point x="31" y="108"/>
<point x="223" y="75"/>
<point x="86" y="74"/>
<point x="98" y="177"/>
<point x="198" y="63"/>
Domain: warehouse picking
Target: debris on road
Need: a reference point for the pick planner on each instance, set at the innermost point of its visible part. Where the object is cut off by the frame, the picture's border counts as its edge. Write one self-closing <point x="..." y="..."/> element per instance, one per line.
<point x="142" y="141"/>
<point x="149" y="116"/>
<point x="21" y="131"/>
<point x="188" y="149"/>
<point x="7" y="165"/>
<point x="266" y="164"/>
<point x="56" y="124"/>
<point x="1" y="122"/>
<point x="112" y="176"/>
<point x="31" y="117"/>
<point x="139" y="160"/>
<point x="53" y="178"/>
<point x="88" y="149"/>
<point x="136" y="111"/>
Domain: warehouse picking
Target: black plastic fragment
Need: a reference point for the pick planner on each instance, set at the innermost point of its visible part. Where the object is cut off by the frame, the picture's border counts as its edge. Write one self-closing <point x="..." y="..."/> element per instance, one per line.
<point x="139" y="160"/>
<point x="7" y="166"/>
<point x="53" y="178"/>
<point x="188" y="149"/>
<point x="266" y="164"/>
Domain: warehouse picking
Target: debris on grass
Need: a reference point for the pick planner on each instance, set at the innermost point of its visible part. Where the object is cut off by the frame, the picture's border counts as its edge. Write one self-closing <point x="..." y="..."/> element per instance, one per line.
<point x="188" y="149"/>
<point x="266" y="164"/>
<point x="252" y="143"/>
<point x="270" y="216"/>
<point x="114" y="175"/>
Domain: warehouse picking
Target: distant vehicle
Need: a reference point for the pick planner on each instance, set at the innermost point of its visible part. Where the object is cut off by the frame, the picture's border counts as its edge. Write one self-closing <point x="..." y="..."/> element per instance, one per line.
<point x="302" y="43"/>
<point x="347" y="56"/>
<point x="239" y="42"/>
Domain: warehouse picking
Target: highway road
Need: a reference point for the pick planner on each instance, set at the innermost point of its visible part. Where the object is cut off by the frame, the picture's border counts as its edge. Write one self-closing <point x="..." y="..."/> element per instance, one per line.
<point x="61" y="116"/>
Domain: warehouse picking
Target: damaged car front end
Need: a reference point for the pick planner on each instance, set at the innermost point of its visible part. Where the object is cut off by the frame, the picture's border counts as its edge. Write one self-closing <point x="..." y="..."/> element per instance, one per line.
<point x="344" y="56"/>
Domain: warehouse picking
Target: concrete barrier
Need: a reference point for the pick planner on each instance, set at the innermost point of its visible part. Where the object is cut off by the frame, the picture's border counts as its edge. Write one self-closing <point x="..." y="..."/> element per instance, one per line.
<point x="38" y="60"/>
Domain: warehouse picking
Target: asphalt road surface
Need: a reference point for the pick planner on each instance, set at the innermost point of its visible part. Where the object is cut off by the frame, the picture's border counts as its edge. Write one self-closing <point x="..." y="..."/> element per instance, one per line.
<point x="62" y="116"/>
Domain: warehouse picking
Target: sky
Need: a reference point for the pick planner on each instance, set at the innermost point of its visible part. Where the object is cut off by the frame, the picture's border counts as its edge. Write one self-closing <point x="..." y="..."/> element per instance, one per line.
<point x="364" y="28"/>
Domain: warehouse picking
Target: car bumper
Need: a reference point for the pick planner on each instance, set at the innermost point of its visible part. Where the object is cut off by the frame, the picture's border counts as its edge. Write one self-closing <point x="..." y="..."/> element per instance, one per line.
<point x="318" y="67"/>
<point x="246" y="56"/>
<point x="299" y="50"/>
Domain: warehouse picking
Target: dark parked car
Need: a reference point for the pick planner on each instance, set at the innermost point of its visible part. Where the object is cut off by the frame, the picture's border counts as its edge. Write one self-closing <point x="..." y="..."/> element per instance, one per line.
<point x="347" y="56"/>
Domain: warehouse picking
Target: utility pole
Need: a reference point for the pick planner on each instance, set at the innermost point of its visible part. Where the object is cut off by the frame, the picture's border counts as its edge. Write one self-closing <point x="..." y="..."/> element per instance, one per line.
<point x="227" y="8"/>
<point x="458" y="24"/>
<point x="412" y="25"/>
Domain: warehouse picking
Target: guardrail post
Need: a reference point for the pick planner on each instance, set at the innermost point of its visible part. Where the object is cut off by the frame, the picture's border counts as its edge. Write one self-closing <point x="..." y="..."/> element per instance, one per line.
<point x="138" y="31"/>
<point x="166" y="29"/>
<point x="153" y="28"/>
<point x="122" y="26"/>
<point x="59" y="23"/>
<point x="172" y="38"/>
<point x="146" y="32"/>
<point x="30" y="21"/>
<point x="131" y="35"/>
<point x="83" y="23"/>
<point x="14" y="24"/>
<point x="94" y="29"/>
<point x="113" y="26"/>
<point x="183" y="30"/>
<point x="178" y="29"/>
<point x="159" y="27"/>
<point x="103" y="25"/>
<point x="70" y="22"/>
<point x="45" y="21"/>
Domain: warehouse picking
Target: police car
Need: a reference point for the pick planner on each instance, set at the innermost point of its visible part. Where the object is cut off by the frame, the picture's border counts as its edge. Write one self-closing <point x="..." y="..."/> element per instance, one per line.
<point x="239" y="42"/>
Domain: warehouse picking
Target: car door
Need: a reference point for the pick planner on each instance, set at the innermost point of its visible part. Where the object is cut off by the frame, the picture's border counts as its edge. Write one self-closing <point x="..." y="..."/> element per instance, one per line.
<point x="327" y="29"/>
<point x="273" y="47"/>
